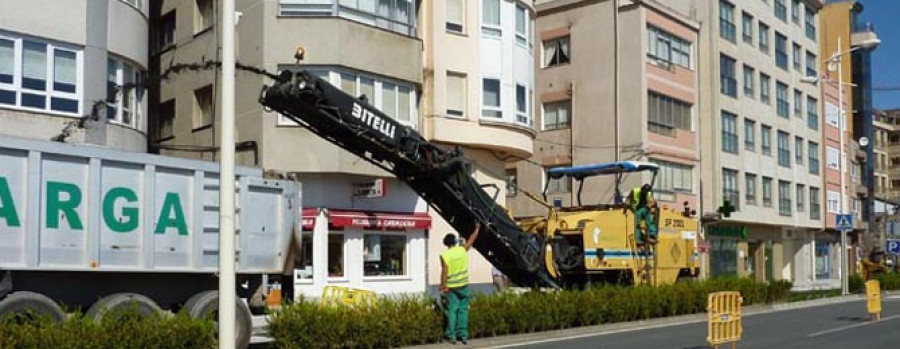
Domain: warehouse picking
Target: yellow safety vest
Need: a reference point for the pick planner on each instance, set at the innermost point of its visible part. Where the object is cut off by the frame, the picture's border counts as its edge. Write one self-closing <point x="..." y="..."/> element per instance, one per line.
<point x="636" y="197"/>
<point x="457" y="260"/>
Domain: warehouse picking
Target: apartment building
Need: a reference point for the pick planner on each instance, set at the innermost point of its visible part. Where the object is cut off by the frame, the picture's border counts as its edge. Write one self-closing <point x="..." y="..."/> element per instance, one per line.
<point x="477" y="94"/>
<point x="64" y="60"/>
<point x="892" y="143"/>
<point x="764" y="134"/>
<point x="460" y="72"/>
<point x="599" y="104"/>
<point x="338" y="247"/>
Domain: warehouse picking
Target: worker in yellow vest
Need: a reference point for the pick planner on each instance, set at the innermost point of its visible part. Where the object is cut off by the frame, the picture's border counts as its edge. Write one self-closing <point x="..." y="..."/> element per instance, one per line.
<point x="455" y="285"/>
<point x="641" y="200"/>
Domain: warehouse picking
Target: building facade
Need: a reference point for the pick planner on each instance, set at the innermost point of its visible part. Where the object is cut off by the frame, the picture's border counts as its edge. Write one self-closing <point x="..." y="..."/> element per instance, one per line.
<point x="60" y="62"/>
<point x="650" y="82"/>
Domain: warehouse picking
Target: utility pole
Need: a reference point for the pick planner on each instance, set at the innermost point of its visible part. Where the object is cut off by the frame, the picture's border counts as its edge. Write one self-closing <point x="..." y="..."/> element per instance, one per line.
<point x="227" y="297"/>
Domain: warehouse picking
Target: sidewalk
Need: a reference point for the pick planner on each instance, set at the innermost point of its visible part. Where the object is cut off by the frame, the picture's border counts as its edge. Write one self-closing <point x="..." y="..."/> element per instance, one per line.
<point x="512" y="340"/>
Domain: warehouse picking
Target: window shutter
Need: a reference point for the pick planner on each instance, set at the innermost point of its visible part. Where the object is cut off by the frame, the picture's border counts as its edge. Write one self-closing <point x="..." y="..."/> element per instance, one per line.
<point x="7" y="60"/>
<point x="34" y="56"/>
<point x="64" y="67"/>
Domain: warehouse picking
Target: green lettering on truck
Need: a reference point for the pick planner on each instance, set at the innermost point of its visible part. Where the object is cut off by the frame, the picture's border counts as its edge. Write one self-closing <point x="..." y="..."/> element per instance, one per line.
<point x="171" y="205"/>
<point x="130" y="214"/>
<point x="7" y="205"/>
<point x="55" y="205"/>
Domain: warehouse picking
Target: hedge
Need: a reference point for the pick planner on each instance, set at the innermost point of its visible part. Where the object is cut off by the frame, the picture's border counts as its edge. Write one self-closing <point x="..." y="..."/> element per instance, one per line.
<point x="128" y="330"/>
<point x="416" y="320"/>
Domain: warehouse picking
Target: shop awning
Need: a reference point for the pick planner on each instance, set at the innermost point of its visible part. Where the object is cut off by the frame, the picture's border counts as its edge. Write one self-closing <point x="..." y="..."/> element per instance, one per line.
<point x="369" y="219"/>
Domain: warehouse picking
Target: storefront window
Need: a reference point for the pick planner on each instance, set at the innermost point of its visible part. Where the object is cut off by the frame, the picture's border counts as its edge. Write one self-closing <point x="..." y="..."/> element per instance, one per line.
<point x="822" y="259"/>
<point x="305" y="263"/>
<point x="723" y="256"/>
<point x="336" y="255"/>
<point x="384" y="255"/>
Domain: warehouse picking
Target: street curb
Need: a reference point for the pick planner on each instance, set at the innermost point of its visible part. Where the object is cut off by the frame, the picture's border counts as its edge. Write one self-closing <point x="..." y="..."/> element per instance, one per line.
<point x="512" y="340"/>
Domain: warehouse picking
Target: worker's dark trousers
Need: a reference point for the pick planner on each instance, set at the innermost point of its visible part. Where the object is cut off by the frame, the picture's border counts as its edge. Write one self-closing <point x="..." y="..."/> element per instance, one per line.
<point x="457" y="313"/>
<point x="643" y="214"/>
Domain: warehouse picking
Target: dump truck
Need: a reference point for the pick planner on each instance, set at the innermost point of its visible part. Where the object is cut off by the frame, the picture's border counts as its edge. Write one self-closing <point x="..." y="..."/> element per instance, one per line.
<point x="98" y="230"/>
<point x="530" y="252"/>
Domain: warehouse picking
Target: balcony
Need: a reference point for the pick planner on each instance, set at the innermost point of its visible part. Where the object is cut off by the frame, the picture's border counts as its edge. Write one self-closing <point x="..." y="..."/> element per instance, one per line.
<point x="864" y="36"/>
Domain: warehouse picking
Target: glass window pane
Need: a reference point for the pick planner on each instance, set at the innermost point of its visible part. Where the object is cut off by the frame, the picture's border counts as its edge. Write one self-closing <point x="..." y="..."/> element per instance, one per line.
<point x="403" y="104"/>
<point x="491" y="12"/>
<point x="348" y="84"/>
<point x="389" y="99"/>
<point x="520" y="99"/>
<point x="34" y="65"/>
<point x="64" y="71"/>
<point x="491" y="91"/>
<point x="335" y="255"/>
<point x="7" y="57"/>
<point x="384" y="255"/>
<point x="367" y="88"/>
<point x="520" y="20"/>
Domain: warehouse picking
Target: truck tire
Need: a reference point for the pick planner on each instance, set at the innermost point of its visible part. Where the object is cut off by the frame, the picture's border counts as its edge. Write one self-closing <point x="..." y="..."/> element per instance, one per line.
<point x="30" y="304"/>
<point x="206" y="304"/>
<point x="123" y="301"/>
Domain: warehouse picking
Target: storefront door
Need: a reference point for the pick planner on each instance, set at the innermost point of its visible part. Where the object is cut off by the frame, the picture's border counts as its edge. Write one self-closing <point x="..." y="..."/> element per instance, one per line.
<point x="723" y="256"/>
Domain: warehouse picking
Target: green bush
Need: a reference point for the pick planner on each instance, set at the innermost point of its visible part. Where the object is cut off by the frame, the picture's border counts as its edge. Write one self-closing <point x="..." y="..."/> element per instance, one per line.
<point x="855" y="284"/>
<point x="127" y="330"/>
<point x="416" y="320"/>
<point x="889" y="281"/>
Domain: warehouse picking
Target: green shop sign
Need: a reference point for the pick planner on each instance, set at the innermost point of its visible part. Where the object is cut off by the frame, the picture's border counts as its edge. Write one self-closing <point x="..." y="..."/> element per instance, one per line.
<point x="738" y="232"/>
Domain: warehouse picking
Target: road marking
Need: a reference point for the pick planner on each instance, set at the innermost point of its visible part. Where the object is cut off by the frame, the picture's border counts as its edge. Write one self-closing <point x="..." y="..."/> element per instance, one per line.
<point x="596" y="334"/>
<point x="842" y="328"/>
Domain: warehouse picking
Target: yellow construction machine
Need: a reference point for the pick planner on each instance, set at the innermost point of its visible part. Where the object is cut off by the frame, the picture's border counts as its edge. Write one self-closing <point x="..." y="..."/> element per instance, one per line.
<point x="596" y="243"/>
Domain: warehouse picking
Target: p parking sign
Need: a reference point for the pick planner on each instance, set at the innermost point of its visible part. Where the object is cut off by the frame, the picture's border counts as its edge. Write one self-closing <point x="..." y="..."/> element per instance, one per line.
<point x="892" y="247"/>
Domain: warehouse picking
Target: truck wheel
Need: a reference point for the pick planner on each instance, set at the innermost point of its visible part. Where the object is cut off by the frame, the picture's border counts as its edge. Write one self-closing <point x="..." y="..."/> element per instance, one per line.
<point x="24" y="304"/>
<point x="206" y="305"/>
<point x="123" y="302"/>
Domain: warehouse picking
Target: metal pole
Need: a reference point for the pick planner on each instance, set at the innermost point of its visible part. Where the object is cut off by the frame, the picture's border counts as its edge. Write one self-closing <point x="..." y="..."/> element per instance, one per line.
<point x="226" y="185"/>
<point x="845" y="277"/>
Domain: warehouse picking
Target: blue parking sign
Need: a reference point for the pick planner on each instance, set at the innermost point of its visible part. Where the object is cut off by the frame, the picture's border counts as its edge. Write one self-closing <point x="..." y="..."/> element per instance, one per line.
<point x="893" y="247"/>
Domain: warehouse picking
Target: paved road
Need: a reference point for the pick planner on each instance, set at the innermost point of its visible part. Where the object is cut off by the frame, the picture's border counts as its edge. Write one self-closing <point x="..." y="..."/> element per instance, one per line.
<point x="842" y="325"/>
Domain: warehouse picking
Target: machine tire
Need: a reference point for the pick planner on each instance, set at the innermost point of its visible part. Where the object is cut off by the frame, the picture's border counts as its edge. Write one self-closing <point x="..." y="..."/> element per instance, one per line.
<point x="206" y="304"/>
<point x="25" y="303"/>
<point x="122" y="301"/>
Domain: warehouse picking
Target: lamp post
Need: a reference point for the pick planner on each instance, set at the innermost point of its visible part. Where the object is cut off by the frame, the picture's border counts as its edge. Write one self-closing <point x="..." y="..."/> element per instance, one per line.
<point x="835" y="61"/>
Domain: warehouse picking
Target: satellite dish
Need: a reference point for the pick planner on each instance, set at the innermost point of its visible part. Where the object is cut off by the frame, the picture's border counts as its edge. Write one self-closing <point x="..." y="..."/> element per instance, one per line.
<point x="863" y="141"/>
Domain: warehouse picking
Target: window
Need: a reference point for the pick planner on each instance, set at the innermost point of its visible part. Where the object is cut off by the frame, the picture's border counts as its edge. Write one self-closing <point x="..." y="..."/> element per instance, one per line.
<point x="557" y="185"/>
<point x="203" y="104"/>
<point x="749" y="134"/>
<point x="522" y="116"/>
<point x="522" y="26"/>
<point x="767" y="191"/>
<point x="456" y="15"/>
<point x="729" y="133"/>
<point x="747" y="28"/>
<point x="815" y="207"/>
<point x="456" y="93"/>
<point x="784" y="198"/>
<point x="795" y="11"/>
<point x="781" y="57"/>
<point x="832" y="114"/>
<point x="392" y="15"/>
<point x="557" y="115"/>
<point x="38" y="75"/>
<point x="726" y="20"/>
<point x="123" y="99"/>
<point x="781" y="97"/>
<point x="810" y="24"/>
<point x="749" y="90"/>
<point x="784" y="150"/>
<point x="728" y="80"/>
<point x="765" y="135"/>
<point x="666" y="114"/>
<point x="750" y="184"/>
<point x="166" y="36"/>
<point x="490" y="18"/>
<point x="781" y="10"/>
<point x="801" y="193"/>
<point x="166" y="127"/>
<point x="798" y="150"/>
<point x="304" y="261"/>
<point x="512" y="182"/>
<point x="556" y="52"/>
<point x="811" y="64"/>
<point x="763" y="38"/>
<point x="384" y="255"/>
<point x="730" y="192"/>
<point x="674" y="176"/>
<point x="798" y="104"/>
<point x="833" y="201"/>
<point x="764" y="89"/>
<point x="203" y="15"/>
<point x="490" y="91"/>
<point x="812" y="113"/>
<point x="667" y="49"/>
<point x="335" y="255"/>
<point x="813" y="150"/>
<point x="832" y="158"/>
<point x="796" y="57"/>
<point x="389" y="99"/>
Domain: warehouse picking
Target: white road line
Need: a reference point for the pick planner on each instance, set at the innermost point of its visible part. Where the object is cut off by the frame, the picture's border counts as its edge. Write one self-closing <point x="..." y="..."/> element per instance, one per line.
<point x="842" y="328"/>
<point x="597" y="334"/>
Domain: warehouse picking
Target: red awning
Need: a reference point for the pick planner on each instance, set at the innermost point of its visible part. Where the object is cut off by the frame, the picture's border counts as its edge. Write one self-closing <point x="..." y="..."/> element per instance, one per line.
<point x="369" y="220"/>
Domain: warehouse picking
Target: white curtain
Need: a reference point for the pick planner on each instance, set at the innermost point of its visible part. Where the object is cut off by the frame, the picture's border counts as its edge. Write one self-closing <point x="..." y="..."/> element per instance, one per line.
<point x="456" y="92"/>
<point x="520" y="20"/>
<point x="403" y="104"/>
<point x="550" y="48"/>
<point x="7" y="59"/>
<point x="455" y="11"/>
<point x="64" y="68"/>
<point x="491" y="12"/>
<point x="389" y="99"/>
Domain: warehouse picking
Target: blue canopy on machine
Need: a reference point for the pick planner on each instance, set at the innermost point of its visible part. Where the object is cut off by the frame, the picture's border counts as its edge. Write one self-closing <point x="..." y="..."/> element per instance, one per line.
<point x="583" y="171"/>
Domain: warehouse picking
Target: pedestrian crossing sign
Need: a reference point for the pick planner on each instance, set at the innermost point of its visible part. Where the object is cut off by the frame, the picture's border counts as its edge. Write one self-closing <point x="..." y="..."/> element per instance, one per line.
<point x="844" y="222"/>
